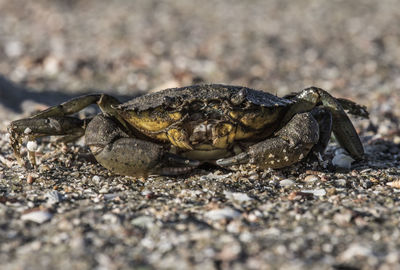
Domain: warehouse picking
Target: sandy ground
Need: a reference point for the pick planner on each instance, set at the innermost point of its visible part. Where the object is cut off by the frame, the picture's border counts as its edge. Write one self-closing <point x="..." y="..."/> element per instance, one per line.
<point x="71" y="213"/>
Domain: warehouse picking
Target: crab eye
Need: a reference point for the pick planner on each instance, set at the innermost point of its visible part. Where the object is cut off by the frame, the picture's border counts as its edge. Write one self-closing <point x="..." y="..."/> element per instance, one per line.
<point x="239" y="97"/>
<point x="168" y="100"/>
<point x="172" y="102"/>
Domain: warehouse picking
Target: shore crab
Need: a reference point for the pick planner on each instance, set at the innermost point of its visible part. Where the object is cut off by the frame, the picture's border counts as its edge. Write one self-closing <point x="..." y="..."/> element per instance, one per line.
<point x="175" y="130"/>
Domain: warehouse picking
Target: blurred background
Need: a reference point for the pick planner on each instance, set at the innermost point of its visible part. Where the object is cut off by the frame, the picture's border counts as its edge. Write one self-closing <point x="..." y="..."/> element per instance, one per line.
<point x="51" y="51"/>
<point x="54" y="50"/>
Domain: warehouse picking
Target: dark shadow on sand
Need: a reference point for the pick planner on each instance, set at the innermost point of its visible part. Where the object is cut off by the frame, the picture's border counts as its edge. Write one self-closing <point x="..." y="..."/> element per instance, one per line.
<point x="12" y="95"/>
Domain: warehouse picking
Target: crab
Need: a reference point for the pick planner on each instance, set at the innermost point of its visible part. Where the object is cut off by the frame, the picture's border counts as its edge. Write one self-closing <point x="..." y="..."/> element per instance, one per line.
<point x="173" y="131"/>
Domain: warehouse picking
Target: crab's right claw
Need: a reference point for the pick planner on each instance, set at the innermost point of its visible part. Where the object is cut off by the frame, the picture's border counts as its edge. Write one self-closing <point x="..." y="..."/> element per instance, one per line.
<point x="343" y="129"/>
<point x="122" y="154"/>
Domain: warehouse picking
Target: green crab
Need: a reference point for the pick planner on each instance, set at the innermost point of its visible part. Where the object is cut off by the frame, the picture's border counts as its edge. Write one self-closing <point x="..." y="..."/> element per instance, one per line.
<point x="175" y="130"/>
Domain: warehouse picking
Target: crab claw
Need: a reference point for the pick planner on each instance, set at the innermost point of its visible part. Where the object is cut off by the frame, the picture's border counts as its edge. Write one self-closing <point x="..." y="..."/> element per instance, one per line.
<point x="241" y="158"/>
<point x="291" y="144"/>
<point x="115" y="150"/>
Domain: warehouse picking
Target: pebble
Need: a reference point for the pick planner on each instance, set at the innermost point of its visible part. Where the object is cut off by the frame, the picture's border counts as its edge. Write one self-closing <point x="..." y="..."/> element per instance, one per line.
<point x="356" y="250"/>
<point x="96" y="179"/>
<point x="343" y="218"/>
<point x="394" y="184"/>
<point x="54" y="197"/>
<point x="342" y="160"/>
<point x="214" y="176"/>
<point x="110" y="196"/>
<point x="40" y="216"/>
<point x="104" y="190"/>
<point x="30" y="179"/>
<point x="13" y="48"/>
<point x="366" y="184"/>
<point x="27" y="131"/>
<point x="6" y="137"/>
<point x="286" y="183"/>
<point x="51" y="65"/>
<point x="224" y="213"/>
<point x="315" y="192"/>
<point x="311" y="179"/>
<point x="237" y="196"/>
<point x="340" y="182"/>
<point x="143" y="222"/>
<point x="230" y="251"/>
<point x="110" y="218"/>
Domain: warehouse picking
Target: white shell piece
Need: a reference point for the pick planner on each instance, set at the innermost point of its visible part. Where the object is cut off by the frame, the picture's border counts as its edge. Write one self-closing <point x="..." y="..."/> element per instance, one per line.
<point x="32" y="146"/>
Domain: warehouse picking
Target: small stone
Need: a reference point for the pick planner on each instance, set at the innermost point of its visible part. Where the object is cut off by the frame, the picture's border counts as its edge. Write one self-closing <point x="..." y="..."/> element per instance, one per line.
<point x="331" y="191"/>
<point x="13" y="48"/>
<point x="43" y="168"/>
<point x="104" y="190"/>
<point x="27" y="131"/>
<point x="394" y="184"/>
<point x="343" y="218"/>
<point x="294" y="196"/>
<point x="96" y="179"/>
<point x="54" y="197"/>
<point x="30" y="179"/>
<point x="366" y="184"/>
<point x="340" y="182"/>
<point x="75" y="174"/>
<point x="315" y="192"/>
<point x="110" y="218"/>
<point x="143" y="222"/>
<point x="51" y="65"/>
<point x="110" y="196"/>
<point x="356" y="250"/>
<point x="40" y="216"/>
<point x="224" y="213"/>
<point x="286" y="183"/>
<point x="237" y="196"/>
<point x="230" y="252"/>
<point x="342" y="160"/>
<point x="311" y="179"/>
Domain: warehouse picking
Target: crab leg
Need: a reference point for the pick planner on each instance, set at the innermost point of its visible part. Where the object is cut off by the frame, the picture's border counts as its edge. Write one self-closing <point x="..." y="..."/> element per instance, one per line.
<point x="37" y="127"/>
<point x="55" y="121"/>
<point x="114" y="149"/>
<point x="291" y="144"/>
<point x="76" y="104"/>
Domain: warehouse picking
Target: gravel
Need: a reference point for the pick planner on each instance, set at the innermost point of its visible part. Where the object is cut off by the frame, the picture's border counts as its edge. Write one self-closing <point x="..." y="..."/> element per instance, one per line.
<point x="70" y="213"/>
